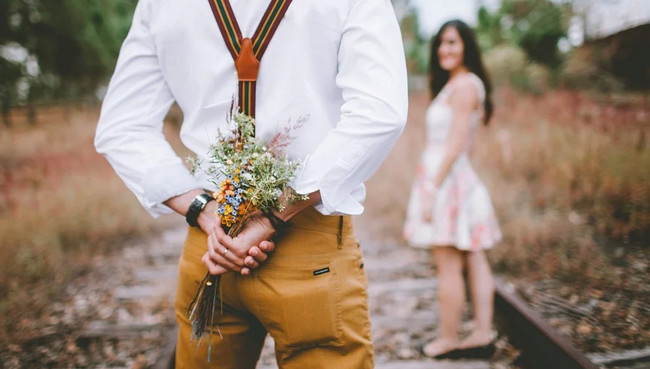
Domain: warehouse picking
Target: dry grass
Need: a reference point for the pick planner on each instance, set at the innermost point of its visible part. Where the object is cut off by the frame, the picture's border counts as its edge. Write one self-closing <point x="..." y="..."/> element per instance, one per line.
<point x="569" y="176"/>
<point x="60" y="205"/>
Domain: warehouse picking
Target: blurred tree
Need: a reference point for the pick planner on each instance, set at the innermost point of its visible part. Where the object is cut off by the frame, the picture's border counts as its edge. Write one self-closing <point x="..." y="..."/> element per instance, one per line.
<point x="11" y="73"/>
<point x="536" y="26"/>
<point x="415" y="46"/>
<point x="74" y="42"/>
<point x="488" y="29"/>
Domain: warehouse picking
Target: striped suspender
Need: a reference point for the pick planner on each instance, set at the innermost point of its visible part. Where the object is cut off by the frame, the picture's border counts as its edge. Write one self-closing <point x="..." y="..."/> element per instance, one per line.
<point x="247" y="52"/>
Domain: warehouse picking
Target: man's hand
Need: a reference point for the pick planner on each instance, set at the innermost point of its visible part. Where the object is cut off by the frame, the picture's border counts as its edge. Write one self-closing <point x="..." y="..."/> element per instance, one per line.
<point x="210" y="224"/>
<point x="245" y="251"/>
<point x="240" y="254"/>
<point x="208" y="218"/>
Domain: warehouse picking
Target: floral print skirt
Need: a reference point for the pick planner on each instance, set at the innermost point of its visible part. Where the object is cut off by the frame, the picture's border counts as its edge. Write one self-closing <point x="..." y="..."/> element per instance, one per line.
<point x="463" y="215"/>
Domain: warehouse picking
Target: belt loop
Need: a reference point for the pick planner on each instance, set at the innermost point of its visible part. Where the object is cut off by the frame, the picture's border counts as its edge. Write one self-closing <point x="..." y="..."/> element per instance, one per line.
<point x="339" y="236"/>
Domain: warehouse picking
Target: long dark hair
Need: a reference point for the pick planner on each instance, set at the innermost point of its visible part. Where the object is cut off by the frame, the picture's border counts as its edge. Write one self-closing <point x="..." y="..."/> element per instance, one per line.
<point x="471" y="60"/>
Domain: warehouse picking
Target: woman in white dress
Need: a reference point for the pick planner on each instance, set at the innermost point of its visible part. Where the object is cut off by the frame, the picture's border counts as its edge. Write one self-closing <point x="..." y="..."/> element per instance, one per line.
<point x="450" y="210"/>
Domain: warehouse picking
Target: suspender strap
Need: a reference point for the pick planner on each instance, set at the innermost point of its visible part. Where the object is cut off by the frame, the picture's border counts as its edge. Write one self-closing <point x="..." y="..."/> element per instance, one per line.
<point x="228" y="25"/>
<point x="247" y="52"/>
<point x="268" y="25"/>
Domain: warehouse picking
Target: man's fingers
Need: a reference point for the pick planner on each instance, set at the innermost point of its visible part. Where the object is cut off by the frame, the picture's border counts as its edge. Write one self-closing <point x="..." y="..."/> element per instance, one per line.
<point x="218" y="230"/>
<point x="257" y="254"/>
<point x="230" y="256"/>
<point x="218" y="251"/>
<point x="219" y="259"/>
<point x="234" y="245"/>
<point x="250" y="262"/>
<point x="267" y="246"/>
<point x="213" y="268"/>
<point x="225" y="240"/>
<point x="245" y="271"/>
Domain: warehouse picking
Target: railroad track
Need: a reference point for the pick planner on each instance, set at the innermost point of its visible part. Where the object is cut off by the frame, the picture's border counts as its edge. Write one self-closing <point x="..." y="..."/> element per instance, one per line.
<point x="540" y="345"/>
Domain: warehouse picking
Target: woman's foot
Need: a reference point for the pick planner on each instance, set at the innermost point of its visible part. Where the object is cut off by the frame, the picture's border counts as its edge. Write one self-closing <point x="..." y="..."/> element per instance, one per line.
<point x="439" y="347"/>
<point x="476" y="339"/>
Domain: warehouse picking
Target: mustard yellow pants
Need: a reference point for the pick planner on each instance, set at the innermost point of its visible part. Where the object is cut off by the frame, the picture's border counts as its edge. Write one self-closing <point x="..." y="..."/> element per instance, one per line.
<point x="310" y="295"/>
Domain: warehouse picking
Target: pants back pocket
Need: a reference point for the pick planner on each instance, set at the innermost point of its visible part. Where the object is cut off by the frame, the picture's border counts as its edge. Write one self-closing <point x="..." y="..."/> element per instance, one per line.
<point x="300" y="304"/>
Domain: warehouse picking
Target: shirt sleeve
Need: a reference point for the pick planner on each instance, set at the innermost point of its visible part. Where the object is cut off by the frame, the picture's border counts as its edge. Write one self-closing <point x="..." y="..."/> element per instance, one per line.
<point x="130" y="129"/>
<point x="372" y="78"/>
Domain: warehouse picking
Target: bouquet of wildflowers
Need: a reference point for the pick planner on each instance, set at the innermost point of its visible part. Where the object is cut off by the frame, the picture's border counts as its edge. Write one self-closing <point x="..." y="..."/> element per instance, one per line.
<point x="251" y="177"/>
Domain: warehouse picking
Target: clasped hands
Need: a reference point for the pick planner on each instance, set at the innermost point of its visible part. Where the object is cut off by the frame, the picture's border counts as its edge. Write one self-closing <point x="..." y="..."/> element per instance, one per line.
<point x="241" y="253"/>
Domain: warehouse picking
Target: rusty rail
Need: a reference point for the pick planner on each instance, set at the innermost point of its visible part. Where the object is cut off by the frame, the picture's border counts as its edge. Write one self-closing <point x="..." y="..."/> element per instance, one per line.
<point x="541" y="346"/>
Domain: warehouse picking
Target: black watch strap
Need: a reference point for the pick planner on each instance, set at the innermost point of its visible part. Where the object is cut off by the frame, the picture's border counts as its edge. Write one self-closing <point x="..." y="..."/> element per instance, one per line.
<point x="281" y="227"/>
<point x="200" y="201"/>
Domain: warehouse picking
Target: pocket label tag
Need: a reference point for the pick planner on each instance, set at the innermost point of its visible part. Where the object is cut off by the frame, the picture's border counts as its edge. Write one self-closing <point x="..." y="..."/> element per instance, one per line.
<point x="321" y="271"/>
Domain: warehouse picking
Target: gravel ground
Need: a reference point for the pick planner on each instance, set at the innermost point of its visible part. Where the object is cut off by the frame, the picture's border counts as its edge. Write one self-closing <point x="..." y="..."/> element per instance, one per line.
<point x="120" y="315"/>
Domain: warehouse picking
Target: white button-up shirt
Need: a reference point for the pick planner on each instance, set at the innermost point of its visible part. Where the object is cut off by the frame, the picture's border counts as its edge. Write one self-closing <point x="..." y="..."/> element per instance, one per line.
<point x="340" y="62"/>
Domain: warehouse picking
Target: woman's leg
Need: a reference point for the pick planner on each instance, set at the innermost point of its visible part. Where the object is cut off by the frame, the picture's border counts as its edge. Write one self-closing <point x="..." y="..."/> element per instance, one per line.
<point x="451" y="299"/>
<point x="481" y="285"/>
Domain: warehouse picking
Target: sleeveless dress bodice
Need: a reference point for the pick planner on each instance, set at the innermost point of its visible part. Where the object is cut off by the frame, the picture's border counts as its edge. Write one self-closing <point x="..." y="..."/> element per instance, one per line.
<point x="463" y="215"/>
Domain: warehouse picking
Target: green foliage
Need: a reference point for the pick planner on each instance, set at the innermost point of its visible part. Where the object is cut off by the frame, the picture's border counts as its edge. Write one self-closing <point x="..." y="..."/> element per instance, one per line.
<point x="537" y="26"/>
<point x="534" y="25"/>
<point x="75" y="42"/>
<point x="488" y="29"/>
<point x="520" y="42"/>
<point x="416" y="48"/>
<point x="11" y="73"/>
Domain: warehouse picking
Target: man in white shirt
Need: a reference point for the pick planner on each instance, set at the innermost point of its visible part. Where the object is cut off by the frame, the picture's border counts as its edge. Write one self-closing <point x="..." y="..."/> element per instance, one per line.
<point x="341" y="63"/>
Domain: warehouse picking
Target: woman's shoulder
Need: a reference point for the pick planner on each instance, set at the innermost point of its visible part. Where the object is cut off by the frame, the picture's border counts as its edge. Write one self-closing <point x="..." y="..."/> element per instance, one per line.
<point x="468" y="86"/>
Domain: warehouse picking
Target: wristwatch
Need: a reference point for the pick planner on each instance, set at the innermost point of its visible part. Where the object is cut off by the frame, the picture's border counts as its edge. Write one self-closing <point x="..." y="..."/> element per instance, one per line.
<point x="281" y="227"/>
<point x="196" y="207"/>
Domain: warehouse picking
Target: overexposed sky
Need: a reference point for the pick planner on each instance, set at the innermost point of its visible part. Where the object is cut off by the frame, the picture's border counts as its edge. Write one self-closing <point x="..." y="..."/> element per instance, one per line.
<point x="433" y="13"/>
<point x="606" y="17"/>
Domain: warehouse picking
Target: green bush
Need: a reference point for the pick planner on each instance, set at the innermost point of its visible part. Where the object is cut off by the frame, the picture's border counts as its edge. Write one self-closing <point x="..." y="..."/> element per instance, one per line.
<point x="509" y="66"/>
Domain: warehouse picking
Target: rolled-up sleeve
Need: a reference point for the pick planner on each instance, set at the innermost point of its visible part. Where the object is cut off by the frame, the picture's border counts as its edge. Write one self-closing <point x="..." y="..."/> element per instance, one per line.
<point x="130" y="129"/>
<point x="372" y="78"/>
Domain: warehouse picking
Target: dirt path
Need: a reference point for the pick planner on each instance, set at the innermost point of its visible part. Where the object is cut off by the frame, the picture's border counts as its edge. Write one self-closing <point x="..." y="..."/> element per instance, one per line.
<point x="121" y="314"/>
